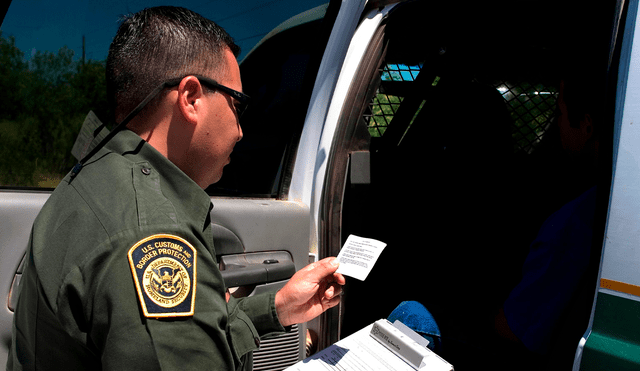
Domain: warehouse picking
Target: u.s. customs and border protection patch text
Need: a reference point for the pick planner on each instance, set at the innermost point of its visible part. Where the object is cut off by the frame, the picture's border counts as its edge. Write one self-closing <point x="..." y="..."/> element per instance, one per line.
<point x="164" y="270"/>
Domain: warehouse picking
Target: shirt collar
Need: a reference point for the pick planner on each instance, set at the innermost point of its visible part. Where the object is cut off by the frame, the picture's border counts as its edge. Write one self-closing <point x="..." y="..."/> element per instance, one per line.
<point x="174" y="183"/>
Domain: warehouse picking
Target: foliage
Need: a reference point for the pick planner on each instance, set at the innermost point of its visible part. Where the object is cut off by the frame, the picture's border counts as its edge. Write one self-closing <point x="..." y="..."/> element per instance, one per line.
<point x="45" y="101"/>
<point x="383" y="109"/>
<point x="532" y="108"/>
<point x="384" y="106"/>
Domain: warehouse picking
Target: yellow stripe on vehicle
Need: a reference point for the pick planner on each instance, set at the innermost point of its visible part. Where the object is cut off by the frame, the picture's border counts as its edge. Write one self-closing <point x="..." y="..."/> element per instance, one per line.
<point x="618" y="286"/>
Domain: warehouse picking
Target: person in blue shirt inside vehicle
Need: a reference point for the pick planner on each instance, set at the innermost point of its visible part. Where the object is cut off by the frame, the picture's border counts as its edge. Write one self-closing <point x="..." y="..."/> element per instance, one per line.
<point x="121" y="271"/>
<point x="529" y="323"/>
<point x="544" y="315"/>
<point x="559" y="256"/>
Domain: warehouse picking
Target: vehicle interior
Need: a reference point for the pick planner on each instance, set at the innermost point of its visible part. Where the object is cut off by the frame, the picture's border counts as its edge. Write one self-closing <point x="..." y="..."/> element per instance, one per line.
<point x="458" y="111"/>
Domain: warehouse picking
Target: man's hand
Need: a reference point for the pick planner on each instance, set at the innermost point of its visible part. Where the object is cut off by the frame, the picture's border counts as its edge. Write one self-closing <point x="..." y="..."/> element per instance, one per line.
<point x="312" y="290"/>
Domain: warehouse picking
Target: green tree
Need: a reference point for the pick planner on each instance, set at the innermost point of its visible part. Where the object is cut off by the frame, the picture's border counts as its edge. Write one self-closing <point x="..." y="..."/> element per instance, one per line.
<point x="49" y="97"/>
<point x="383" y="109"/>
<point x="12" y="67"/>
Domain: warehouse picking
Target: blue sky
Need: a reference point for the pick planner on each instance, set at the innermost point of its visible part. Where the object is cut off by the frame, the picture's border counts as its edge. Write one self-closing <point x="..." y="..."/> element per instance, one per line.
<point x="48" y="25"/>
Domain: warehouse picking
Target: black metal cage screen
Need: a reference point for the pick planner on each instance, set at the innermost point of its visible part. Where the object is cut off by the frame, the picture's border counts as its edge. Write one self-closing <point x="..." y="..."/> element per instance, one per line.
<point x="530" y="102"/>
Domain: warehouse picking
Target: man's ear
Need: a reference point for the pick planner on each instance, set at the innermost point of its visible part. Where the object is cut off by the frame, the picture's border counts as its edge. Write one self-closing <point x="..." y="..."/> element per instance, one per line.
<point x="189" y="98"/>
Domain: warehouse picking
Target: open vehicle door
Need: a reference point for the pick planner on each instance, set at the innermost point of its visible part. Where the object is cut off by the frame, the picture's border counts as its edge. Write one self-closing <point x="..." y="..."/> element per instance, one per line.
<point x="612" y="340"/>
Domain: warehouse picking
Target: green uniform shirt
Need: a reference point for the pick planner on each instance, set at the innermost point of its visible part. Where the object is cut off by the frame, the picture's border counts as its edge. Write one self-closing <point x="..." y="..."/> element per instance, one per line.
<point x="83" y="300"/>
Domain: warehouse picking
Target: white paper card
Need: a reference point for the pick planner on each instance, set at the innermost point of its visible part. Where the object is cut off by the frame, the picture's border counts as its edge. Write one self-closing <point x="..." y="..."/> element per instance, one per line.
<point x="358" y="255"/>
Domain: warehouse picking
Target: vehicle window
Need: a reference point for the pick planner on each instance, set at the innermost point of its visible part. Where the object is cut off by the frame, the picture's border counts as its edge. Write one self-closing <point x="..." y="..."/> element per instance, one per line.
<point x="278" y="75"/>
<point x="52" y="61"/>
<point x="385" y="104"/>
<point x="530" y="102"/>
<point x="531" y="105"/>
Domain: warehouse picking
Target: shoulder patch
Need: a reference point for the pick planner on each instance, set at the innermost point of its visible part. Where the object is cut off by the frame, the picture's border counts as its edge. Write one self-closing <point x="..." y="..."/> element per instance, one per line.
<point x="164" y="270"/>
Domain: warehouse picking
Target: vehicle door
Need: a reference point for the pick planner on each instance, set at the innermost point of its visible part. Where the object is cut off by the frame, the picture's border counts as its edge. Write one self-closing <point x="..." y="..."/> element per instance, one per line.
<point x="612" y="340"/>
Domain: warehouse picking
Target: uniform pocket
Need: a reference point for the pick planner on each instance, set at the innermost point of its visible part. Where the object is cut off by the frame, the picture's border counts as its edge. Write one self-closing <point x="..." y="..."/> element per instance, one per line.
<point x="242" y="335"/>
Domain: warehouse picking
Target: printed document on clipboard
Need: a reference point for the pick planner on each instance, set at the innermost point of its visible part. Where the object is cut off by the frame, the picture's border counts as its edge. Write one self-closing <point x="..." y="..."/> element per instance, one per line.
<point x="379" y="346"/>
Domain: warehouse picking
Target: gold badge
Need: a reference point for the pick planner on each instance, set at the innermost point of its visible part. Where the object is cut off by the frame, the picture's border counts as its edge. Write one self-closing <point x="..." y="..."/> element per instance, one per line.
<point x="164" y="270"/>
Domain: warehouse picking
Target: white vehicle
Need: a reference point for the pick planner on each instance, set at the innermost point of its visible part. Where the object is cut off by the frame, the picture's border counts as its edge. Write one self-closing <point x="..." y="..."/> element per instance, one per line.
<point x="427" y="125"/>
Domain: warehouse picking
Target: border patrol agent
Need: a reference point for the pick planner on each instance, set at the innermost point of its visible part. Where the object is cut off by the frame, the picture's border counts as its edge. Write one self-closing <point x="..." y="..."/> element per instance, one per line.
<point x="121" y="270"/>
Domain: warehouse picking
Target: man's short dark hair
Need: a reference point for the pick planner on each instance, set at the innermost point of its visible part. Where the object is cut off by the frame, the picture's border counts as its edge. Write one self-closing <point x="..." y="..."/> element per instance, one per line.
<point x="157" y="44"/>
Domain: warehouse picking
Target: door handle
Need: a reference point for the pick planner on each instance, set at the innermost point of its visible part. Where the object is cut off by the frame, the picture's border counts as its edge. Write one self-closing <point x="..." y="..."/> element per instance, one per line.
<point x="256" y="268"/>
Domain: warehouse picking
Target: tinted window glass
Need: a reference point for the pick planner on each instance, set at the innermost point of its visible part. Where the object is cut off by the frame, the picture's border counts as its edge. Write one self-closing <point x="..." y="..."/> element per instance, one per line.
<point x="277" y="76"/>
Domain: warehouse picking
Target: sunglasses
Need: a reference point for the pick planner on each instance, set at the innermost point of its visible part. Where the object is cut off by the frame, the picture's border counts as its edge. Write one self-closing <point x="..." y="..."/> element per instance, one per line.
<point x="241" y="105"/>
<point x="241" y="98"/>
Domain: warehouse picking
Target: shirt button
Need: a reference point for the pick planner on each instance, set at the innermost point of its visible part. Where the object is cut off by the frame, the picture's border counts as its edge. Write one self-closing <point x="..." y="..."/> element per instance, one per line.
<point x="146" y="171"/>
